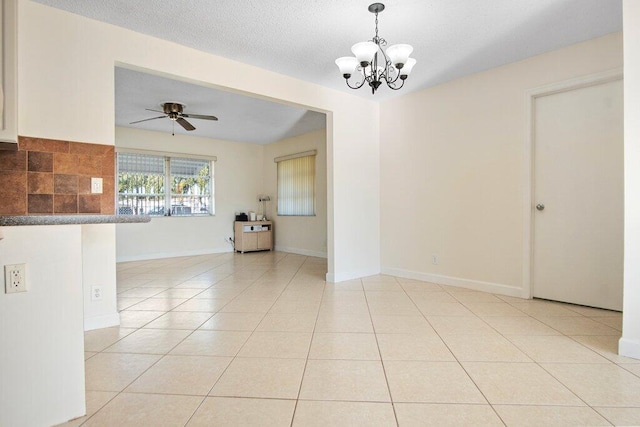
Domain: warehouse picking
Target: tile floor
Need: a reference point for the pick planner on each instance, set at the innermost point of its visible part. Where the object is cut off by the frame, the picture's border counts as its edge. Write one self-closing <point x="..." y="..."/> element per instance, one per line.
<point x="261" y="339"/>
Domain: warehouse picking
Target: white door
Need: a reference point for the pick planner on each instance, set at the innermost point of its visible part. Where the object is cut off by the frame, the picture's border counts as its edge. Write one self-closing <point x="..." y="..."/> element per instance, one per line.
<point x="578" y="187"/>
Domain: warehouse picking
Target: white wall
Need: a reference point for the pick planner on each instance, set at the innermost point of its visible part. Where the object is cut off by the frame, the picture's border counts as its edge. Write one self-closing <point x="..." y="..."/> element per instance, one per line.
<point x="306" y="235"/>
<point x="630" y="341"/>
<point x="238" y="181"/>
<point x="99" y="269"/>
<point x="41" y="337"/>
<point x="453" y="170"/>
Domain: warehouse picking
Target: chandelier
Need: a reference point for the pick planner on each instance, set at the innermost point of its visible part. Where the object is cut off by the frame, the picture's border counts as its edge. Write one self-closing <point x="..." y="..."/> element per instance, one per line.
<point x="375" y="64"/>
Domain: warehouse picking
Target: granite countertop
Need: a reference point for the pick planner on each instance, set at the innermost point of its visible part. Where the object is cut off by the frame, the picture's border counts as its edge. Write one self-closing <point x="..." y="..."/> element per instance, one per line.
<point x="9" y="221"/>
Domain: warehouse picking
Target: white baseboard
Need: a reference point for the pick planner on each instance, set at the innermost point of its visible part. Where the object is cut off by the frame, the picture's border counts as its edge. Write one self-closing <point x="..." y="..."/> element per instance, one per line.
<point x="301" y="251"/>
<point x="476" y="285"/>
<point x="161" y="255"/>
<point x="350" y="275"/>
<point x="629" y="348"/>
<point x="99" y="322"/>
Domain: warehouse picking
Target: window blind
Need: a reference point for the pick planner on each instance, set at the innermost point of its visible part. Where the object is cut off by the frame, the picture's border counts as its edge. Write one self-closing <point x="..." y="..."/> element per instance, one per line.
<point x="296" y="186"/>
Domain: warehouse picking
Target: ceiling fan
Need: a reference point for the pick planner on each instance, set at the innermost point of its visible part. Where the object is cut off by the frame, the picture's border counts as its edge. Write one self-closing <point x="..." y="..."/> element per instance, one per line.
<point x="174" y="111"/>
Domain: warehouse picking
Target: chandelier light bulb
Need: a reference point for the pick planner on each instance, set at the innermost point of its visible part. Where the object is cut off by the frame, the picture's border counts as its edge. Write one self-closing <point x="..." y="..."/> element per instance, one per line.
<point x="364" y="52"/>
<point x="398" y="54"/>
<point x="406" y="70"/>
<point x="347" y="65"/>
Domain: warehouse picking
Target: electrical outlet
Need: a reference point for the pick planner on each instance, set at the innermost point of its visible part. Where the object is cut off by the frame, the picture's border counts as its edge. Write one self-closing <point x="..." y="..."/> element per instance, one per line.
<point x="96" y="293"/>
<point x="15" y="278"/>
<point x="96" y="185"/>
<point x="434" y="259"/>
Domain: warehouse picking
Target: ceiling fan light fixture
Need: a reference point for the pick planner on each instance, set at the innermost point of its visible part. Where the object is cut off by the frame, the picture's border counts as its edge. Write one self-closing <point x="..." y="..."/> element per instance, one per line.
<point x="174" y="111"/>
<point x="375" y="65"/>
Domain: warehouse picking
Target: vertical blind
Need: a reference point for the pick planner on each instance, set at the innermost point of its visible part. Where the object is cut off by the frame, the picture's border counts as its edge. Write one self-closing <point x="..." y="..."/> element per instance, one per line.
<point x="296" y="185"/>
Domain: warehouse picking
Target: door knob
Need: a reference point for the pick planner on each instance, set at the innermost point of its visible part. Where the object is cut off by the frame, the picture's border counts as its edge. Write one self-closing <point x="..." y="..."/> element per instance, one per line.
<point x="540" y="206"/>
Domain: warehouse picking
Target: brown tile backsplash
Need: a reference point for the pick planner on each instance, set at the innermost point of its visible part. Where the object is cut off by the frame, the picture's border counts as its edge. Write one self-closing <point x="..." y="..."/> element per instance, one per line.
<point x="46" y="176"/>
<point x="40" y="203"/>
<point x="40" y="161"/>
<point x="65" y="204"/>
<point x="89" y="203"/>
<point x="65" y="184"/>
<point x="40" y="183"/>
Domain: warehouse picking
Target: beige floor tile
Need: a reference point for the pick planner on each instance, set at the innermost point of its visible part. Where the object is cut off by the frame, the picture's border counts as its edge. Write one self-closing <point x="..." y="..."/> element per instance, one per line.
<point x="141" y="292"/>
<point x="226" y="294"/>
<point x="231" y="412"/>
<point x="178" y="293"/>
<point x="195" y="284"/>
<point x="379" y="278"/>
<point x="99" y="339"/>
<point x="288" y="322"/>
<point x="634" y="368"/>
<point x="124" y="302"/>
<point x="137" y="319"/>
<point x="212" y="343"/>
<point x="592" y="311"/>
<point x="578" y="326"/>
<point x="194" y="375"/>
<point x="621" y="416"/>
<point x="471" y="296"/>
<point x="285" y="345"/>
<point x="606" y="346"/>
<point x="487" y="309"/>
<point x="135" y="410"/>
<point x="434" y="308"/>
<point x="345" y="346"/>
<point x="150" y="341"/>
<point x="413" y="347"/>
<point x="430" y="382"/>
<point x="415" y="285"/>
<point x="484" y="348"/>
<point x="519" y="325"/>
<point x="353" y="380"/>
<point x="424" y="414"/>
<point x="392" y="324"/>
<point x="266" y="378"/>
<point x="233" y="321"/>
<point x="341" y="322"/>
<point x="158" y="304"/>
<point x="247" y="306"/>
<point x="295" y="306"/>
<point x="549" y="416"/>
<point x="599" y="384"/>
<point x="538" y="308"/>
<point x="94" y="400"/>
<point x="519" y="384"/>
<point x="382" y="286"/>
<point x="460" y="325"/>
<point x="344" y="306"/>
<point x="613" y="322"/>
<point x="431" y="297"/>
<point x="349" y="285"/>
<point x="179" y="320"/>
<point x="89" y="354"/>
<point x="343" y="414"/>
<point x="558" y="349"/>
<point x="115" y="371"/>
<point x="387" y="306"/>
<point x="206" y="305"/>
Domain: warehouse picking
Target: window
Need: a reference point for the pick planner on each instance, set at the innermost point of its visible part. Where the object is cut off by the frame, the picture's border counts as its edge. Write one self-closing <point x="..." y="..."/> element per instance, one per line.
<point x="151" y="184"/>
<point x="296" y="184"/>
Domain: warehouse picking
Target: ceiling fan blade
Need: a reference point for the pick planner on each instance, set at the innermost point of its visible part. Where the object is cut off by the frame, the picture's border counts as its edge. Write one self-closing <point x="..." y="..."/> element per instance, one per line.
<point x="200" y="116"/>
<point x="185" y="124"/>
<point x="146" y="120"/>
<point x="155" y="111"/>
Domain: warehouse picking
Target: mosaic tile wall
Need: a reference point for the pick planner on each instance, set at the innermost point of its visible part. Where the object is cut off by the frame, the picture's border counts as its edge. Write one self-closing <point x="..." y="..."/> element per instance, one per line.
<point x="46" y="176"/>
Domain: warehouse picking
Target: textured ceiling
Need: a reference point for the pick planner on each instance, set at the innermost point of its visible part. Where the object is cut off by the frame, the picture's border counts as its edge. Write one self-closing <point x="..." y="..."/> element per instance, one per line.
<point x="241" y="118"/>
<point x="452" y="38"/>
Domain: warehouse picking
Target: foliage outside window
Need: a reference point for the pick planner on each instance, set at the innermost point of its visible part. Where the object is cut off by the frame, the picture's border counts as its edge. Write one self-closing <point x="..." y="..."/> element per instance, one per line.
<point x="296" y="186"/>
<point x="164" y="185"/>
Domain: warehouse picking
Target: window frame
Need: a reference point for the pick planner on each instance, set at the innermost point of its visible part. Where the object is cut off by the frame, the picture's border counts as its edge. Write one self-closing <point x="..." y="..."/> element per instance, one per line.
<point x="167" y="180"/>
